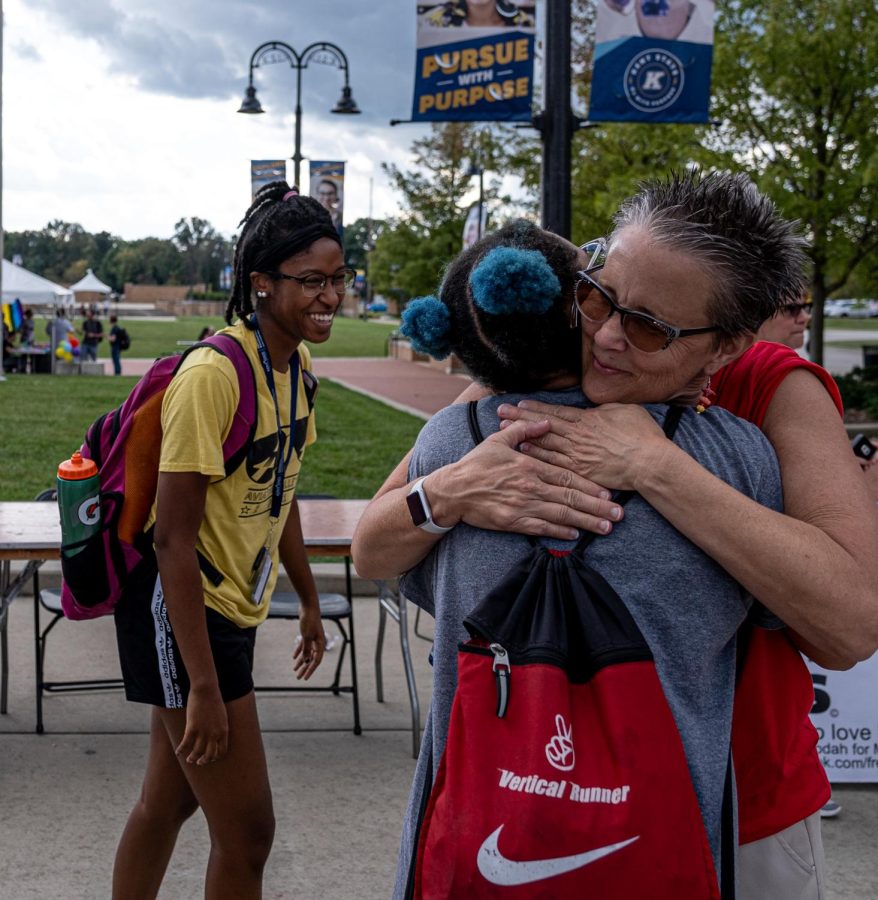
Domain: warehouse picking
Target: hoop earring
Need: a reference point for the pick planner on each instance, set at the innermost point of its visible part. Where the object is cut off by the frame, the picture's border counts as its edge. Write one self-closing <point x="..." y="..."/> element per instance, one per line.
<point x="506" y="9"/>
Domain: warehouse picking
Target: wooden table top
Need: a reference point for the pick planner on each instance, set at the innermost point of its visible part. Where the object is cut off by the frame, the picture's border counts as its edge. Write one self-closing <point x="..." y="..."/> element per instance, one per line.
<point x="33" y="530"/>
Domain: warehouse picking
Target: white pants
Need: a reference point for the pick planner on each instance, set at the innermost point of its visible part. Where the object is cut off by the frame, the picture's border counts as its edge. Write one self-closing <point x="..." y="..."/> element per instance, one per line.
<point x="789" y="865"/>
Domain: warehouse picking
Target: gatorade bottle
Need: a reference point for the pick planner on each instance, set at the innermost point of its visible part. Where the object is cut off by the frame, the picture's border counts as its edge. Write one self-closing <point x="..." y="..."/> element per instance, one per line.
<point x="79" y="502"/>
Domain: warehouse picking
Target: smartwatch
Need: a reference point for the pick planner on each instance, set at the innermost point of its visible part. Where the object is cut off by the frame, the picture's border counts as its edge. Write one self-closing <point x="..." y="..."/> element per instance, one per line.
<point x="419" y="509"/>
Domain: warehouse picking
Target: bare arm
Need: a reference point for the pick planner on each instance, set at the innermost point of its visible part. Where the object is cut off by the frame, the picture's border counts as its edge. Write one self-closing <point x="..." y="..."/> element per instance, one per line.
<point x="816" y="566"/>
<point x="492" y="487"/>
<point x="180" y="510"/>
<point x="309" y="651"/>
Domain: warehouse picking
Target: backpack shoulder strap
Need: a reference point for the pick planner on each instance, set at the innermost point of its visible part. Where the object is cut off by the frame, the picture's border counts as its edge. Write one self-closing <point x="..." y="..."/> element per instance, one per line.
<point x="243" y="427"/>
<point x="472" y="413"/>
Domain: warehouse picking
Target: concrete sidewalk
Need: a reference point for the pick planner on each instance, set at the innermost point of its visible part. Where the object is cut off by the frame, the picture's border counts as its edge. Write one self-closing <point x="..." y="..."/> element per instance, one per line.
<point x="339" y="798"/>
<point x="413" y="387"/>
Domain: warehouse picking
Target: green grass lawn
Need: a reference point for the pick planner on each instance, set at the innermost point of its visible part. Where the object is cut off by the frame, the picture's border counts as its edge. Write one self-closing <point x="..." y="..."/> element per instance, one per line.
<point x="153" y="338"/>
<point x="45" y="418"/>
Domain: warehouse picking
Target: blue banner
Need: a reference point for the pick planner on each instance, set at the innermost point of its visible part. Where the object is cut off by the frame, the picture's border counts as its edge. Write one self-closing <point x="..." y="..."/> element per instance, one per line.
<point x="470" y="70"/>
<point x="652" y="61"/>
<point x="264" y="171"/>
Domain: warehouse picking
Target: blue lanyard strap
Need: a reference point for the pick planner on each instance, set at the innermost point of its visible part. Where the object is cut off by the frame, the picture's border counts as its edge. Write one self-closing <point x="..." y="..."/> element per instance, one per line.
<point x="282" y="460"/>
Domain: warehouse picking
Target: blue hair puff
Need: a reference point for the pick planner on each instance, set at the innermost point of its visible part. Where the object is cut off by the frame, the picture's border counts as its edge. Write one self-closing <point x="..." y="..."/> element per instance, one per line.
<point x="509" y="280"/>
<point x="426" y="322"/>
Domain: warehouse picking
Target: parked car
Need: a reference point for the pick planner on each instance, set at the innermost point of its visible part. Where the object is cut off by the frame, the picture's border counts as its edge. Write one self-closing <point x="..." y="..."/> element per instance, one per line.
<point x="844" y="309"/>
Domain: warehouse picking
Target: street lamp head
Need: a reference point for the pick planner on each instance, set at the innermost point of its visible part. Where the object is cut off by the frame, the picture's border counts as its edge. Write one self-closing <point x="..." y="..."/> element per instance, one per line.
<point x="251" y="104"/>
<point x="346" y="105"/>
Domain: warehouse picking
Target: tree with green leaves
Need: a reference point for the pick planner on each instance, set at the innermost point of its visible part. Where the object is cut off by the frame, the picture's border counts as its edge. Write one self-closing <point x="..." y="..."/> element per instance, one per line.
<point x="795" y="87"/>
<point x="146" y="261"/>
<point x="203" y="250"/>
<point x="412" y="251"/>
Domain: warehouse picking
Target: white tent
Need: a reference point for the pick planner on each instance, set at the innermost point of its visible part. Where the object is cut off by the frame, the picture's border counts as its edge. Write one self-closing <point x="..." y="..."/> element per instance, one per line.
<point x="31" y="289"/>
<point x="90" y="284"/>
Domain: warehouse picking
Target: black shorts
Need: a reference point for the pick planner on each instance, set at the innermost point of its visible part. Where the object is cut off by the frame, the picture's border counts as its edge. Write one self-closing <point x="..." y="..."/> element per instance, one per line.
<point x="152" y="667"/>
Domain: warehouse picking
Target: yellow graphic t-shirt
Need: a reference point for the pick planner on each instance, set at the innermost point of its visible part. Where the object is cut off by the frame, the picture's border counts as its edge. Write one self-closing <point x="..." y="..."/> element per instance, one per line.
<point x="197" y="413"/>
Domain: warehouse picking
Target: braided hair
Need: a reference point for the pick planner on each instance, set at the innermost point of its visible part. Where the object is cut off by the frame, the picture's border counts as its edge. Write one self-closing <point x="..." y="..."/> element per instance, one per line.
<point x="279" y="224"/>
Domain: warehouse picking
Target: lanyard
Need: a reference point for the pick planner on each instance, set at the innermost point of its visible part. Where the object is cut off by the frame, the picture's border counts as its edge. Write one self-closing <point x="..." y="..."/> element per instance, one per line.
<point x="282" y="461"/>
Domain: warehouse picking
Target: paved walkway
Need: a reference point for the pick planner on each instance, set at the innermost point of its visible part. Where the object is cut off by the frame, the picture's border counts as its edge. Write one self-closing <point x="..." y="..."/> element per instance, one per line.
<point x="417" y="388"/>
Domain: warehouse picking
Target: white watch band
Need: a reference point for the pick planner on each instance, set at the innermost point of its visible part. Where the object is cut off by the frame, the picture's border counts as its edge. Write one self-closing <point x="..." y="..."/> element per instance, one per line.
<point x="419" y="508"/>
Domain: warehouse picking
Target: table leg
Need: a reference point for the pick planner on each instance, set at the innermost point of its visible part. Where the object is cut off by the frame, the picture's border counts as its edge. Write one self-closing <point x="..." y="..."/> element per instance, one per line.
<point x="4" y="641"/>
<point x="9" y="589"/>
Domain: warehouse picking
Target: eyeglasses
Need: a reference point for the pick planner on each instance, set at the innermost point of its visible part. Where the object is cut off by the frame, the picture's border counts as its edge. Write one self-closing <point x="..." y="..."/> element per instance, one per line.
<point x="794" y="309"/>
<point x="312" y="285"/>
<point x="594" y="304"/>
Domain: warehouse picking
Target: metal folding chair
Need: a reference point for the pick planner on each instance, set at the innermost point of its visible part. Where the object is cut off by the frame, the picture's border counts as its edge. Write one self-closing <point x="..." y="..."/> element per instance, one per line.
<point x="333" y="608"/>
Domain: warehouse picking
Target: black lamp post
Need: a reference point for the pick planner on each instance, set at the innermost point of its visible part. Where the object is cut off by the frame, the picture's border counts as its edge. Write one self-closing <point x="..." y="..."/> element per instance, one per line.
<point x="320" y="52"/>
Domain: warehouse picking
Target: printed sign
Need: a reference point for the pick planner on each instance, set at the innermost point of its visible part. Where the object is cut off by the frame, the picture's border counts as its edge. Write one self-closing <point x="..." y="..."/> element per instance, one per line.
<point x="652" y="61"/>
<point x="845" y="715"/>
<point x="264" y="171"/>
<point x="474" y="61"/>
<point x="475" y="225"/>
<point x="327" y="187"/>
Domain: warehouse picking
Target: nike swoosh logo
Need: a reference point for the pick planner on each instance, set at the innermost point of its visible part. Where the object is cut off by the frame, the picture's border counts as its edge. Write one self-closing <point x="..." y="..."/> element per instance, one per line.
<point x="497" y="869"/>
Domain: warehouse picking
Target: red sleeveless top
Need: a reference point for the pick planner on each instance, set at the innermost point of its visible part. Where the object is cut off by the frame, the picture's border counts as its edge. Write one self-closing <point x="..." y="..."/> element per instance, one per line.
<point x="779" y="776"/>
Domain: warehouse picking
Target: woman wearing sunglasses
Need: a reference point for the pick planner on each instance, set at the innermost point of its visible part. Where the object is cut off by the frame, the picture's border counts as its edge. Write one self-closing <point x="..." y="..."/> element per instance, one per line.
<point x="655" y="321"/>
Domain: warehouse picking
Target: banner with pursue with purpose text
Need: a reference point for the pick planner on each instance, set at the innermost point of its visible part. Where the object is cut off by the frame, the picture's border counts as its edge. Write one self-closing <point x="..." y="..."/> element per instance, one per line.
<point x="474" y="61"/>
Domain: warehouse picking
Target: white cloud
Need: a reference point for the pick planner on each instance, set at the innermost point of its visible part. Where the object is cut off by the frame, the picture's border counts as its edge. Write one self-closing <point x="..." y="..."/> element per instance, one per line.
<point x="122" y="116"/>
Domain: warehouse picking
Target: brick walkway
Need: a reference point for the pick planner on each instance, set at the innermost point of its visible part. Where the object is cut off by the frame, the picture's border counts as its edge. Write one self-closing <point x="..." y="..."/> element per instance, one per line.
<point x="414" y="387"/>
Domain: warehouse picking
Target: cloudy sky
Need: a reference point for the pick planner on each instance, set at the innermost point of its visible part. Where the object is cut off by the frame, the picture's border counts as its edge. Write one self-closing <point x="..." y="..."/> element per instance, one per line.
<point x="120" y="114"/>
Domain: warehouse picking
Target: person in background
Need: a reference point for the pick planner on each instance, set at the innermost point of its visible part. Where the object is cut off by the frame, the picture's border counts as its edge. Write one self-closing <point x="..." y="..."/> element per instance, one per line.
<point x="788" y="326"/>
<point x="10" y="363"/>
<point x="205" y="332"/>
<point x="92" y="335"/>
<point x="26" y="331"/>
<point x="58" y="328"/>
<point x="206" y="749"/>
<point x="115" y="347"/>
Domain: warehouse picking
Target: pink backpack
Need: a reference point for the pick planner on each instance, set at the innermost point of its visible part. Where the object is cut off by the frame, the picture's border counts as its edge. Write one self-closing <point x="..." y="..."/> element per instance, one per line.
<point x="126" y="444"/>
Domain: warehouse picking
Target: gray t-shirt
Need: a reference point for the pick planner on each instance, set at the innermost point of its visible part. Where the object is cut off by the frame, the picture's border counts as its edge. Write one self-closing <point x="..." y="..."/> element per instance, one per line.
<point x="688" y="607"/>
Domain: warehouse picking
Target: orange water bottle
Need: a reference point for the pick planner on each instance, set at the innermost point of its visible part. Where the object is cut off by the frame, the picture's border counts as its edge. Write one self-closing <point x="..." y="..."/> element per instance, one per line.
<point x="79" y="502"/>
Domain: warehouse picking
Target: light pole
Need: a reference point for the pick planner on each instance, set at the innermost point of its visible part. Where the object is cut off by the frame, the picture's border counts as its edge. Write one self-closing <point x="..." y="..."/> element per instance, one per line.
<point x="478" y="169"/>
<point x="320" y="52"/>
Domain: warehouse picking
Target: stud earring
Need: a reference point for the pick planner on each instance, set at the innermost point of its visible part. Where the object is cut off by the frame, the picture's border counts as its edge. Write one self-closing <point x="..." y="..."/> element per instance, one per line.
<point x="261" y="295"/>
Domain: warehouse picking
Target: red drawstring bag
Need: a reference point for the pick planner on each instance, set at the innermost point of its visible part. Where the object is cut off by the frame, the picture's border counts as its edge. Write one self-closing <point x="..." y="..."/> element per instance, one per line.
<point x="563" y="775"/>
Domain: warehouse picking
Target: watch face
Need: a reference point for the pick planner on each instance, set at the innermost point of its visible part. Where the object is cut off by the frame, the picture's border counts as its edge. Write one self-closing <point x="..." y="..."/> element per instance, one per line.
<point x="416" y="509"/>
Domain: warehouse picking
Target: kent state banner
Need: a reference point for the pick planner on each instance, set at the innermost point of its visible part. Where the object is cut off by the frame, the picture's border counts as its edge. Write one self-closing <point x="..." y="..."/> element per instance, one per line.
<point x="845" y="715"/>
<point x="652" y="61"/>
<point x="467" y="72"/>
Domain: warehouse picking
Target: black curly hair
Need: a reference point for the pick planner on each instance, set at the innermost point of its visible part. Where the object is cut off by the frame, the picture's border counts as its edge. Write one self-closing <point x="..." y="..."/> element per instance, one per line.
<point x="521" y="351"/>
<point x="274" y="229"/>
